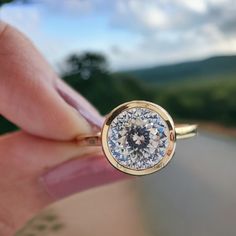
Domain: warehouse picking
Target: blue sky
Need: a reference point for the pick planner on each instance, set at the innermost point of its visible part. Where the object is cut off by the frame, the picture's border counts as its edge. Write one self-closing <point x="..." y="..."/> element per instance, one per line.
<point x="131" y="33"/>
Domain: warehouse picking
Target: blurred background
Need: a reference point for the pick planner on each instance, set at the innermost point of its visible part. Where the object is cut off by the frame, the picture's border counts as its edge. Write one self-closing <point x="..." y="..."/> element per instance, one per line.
<point x="179" y="54"/>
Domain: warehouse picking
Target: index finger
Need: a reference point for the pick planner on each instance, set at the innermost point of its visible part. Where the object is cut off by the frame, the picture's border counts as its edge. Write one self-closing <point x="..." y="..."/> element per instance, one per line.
<point x="29" y="94"/>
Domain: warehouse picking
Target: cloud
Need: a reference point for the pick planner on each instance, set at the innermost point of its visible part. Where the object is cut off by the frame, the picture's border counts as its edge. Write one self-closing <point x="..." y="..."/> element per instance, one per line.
<point x="167" y="30"/>
<point x="137" y="15"/>
<point x="26" y="19"/>
<point x="174" y="15"/>
<point x="177" y="30"/>
<point x="157" y="19"/>
<point x="156" y="15"/>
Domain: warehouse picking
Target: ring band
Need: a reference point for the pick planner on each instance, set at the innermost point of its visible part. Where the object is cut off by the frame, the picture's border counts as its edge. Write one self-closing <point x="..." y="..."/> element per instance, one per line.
<point x="182" y="131"/>
<point x="138" y="137"/>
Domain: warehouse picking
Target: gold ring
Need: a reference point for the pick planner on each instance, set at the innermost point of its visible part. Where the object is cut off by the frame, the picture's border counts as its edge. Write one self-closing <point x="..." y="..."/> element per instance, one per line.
<point x="139" y="137"/>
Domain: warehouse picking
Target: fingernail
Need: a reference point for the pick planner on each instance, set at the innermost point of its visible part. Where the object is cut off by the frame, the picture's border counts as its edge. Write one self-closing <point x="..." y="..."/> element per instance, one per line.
<point x="93" y="119"/>
<point x="78" y="175"/>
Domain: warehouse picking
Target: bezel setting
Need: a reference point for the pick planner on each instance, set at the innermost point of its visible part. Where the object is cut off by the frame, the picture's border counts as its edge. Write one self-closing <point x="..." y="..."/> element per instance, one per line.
<point x="138" y="137"/>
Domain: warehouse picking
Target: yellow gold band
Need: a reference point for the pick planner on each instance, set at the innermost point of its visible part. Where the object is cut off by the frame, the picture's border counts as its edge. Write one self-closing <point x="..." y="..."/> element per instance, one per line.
<point x="182" y="131"/>
<point x="89" y="140"/>
<point x="138" y="137"/>
<point x="185" y="131"/>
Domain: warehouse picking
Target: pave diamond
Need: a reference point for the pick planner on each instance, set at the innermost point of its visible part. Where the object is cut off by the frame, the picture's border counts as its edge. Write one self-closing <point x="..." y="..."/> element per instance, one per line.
<point x="137" y="138"/>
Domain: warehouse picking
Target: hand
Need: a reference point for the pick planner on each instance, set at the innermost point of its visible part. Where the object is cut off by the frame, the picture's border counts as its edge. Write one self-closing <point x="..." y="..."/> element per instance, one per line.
<point x="41" y="163"/>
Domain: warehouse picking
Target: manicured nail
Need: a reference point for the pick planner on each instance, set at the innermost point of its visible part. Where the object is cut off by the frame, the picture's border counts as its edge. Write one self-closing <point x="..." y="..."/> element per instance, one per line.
<point x="92" y="118"/>
<point x="78" y="175"/>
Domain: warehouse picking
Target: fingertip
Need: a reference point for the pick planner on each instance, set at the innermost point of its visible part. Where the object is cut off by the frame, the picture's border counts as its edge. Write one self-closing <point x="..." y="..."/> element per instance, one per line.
<point x="79" y="175"/>
<point x="29" y="98"/>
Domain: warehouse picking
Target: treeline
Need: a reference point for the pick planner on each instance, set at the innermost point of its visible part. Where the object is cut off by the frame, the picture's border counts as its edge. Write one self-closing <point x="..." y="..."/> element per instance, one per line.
<point x="209" y="100"/>
<point x="213" y="100"/>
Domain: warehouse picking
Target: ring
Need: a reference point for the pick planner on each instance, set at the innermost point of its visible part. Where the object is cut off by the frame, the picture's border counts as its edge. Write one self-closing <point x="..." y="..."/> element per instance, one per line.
<point x="139" y="137"/>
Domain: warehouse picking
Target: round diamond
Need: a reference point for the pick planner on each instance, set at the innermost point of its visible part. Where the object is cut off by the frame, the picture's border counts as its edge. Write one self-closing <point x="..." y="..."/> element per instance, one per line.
<point x="138" y="138"/>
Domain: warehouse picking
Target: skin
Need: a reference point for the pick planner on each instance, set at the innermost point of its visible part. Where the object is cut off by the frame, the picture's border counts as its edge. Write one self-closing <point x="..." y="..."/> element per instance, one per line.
<point x="48" y="124"/>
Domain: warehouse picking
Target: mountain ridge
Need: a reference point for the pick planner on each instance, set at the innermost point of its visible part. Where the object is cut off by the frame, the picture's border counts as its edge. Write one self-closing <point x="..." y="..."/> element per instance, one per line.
<point x="206" y="68"/>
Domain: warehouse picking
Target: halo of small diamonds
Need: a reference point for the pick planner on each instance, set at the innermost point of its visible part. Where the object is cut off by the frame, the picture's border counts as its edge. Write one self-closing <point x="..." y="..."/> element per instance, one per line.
<point x="138" y="138"/>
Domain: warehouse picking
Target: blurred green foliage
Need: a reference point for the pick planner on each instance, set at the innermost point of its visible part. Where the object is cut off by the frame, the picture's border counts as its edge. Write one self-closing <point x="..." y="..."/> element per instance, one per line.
<point x="2" y="2"/>
<point x="5" y="1"/>
<point x="209" y="99"/>
<point x="6" y="126"/>
<point x="89" y="75"/>
<point x="206" y="69"/>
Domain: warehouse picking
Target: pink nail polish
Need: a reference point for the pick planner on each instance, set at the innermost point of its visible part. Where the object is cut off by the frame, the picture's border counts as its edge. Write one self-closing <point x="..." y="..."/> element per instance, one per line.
<point x="93" y="119"/>
<point x="79" y="175"/>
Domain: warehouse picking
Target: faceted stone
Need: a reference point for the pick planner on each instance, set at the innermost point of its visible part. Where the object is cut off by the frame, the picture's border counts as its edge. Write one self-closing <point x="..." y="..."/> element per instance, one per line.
<point x="137" y="138"/>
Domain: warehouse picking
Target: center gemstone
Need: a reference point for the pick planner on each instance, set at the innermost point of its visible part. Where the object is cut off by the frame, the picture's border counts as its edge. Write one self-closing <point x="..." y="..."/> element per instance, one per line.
<point x="138" y="138"/>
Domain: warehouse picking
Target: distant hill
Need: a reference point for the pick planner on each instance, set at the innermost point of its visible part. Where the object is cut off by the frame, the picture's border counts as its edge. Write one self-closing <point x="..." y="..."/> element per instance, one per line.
<point x="218" y="66"/>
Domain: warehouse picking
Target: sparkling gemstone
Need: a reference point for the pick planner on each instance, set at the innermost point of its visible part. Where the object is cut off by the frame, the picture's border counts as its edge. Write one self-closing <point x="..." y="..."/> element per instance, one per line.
<point x="138" y="138"/>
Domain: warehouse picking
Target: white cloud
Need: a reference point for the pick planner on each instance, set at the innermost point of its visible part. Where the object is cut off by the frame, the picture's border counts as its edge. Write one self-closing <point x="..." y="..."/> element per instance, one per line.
<point x="199" y="6"/>
<point x="178" y="30"/>
<point x="26" y="19"/>
<point x="168" y="30"/>
<point x="138" y="14"/>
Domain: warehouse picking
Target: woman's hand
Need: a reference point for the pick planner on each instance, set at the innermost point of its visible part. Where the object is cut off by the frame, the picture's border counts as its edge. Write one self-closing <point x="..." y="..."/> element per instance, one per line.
<point x="40" y="164"/>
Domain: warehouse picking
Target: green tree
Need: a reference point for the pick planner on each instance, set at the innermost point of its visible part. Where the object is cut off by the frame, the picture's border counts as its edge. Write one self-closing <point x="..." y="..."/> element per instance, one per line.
<point x="2" y="2"/>
<point x="89" y="74"/>
<point x="86" y="65"/>
<point x="5" y="1"/>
